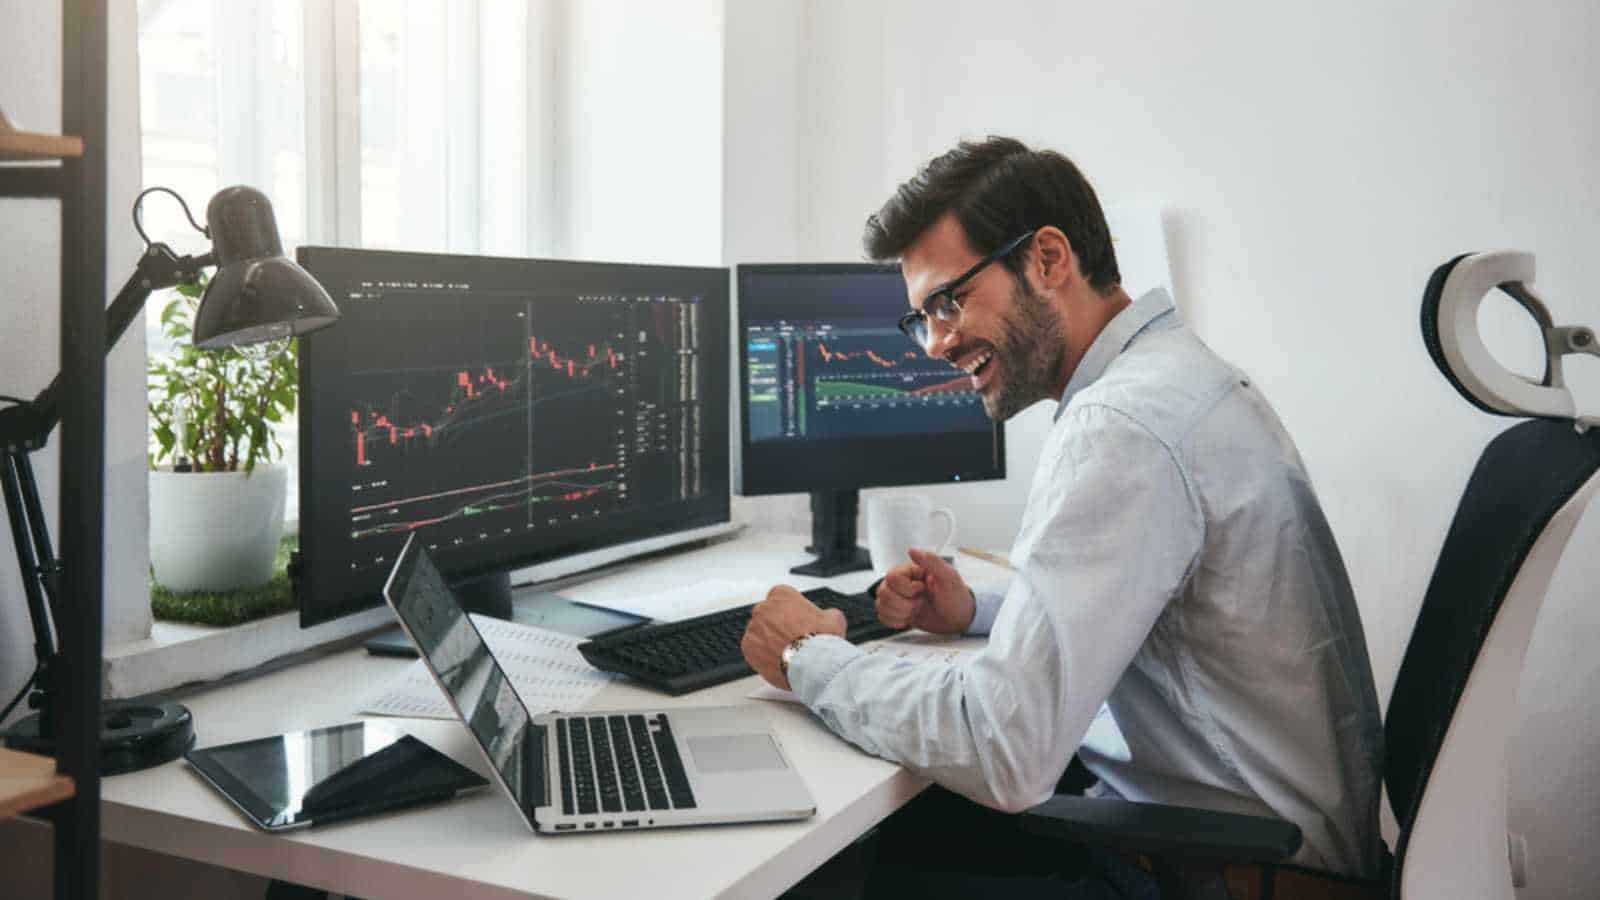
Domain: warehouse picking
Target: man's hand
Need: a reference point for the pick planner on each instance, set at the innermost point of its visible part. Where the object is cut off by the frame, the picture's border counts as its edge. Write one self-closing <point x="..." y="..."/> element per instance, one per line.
<point x="926" y="593"/>
<point x="774" y="624"/>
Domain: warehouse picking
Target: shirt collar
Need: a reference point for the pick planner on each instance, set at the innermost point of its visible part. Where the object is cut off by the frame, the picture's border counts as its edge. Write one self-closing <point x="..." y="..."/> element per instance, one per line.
<point x="1118" y="334"/>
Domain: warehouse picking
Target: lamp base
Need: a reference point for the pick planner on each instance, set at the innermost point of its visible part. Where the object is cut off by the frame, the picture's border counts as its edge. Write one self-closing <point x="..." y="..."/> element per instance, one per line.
<point x="134" y="735"/>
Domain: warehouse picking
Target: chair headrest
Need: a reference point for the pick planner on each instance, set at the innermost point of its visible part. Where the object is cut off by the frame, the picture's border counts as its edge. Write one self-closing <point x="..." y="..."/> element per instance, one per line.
<point x="1450" y="329"/>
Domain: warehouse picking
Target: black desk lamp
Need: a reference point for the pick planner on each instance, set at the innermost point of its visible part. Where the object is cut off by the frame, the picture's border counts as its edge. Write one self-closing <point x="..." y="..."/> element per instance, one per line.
<point x="257" y="294"/>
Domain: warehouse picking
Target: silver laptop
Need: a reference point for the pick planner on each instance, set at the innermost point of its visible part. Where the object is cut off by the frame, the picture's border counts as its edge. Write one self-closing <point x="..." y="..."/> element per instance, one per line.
<point x="606" y="770"/>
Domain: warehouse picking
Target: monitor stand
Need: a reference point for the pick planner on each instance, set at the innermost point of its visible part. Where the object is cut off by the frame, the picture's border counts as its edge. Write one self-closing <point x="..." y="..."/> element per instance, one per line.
<point x="491" y="595"/>
<point x="833" y="535"/>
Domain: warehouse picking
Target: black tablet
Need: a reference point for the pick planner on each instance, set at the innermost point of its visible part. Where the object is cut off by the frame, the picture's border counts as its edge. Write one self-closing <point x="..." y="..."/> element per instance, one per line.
<point x="326" y="774"/>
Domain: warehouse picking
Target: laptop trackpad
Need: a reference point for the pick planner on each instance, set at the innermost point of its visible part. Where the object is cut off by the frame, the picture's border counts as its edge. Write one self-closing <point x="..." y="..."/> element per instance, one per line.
<point x="735" y="753"/>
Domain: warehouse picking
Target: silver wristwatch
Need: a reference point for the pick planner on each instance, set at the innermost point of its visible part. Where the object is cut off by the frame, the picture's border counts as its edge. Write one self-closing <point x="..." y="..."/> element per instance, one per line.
<point x="789" y="650"/>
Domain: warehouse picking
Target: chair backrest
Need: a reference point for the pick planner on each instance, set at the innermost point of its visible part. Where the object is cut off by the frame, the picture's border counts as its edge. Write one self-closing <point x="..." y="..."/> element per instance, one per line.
<point x="1449" y="721"/>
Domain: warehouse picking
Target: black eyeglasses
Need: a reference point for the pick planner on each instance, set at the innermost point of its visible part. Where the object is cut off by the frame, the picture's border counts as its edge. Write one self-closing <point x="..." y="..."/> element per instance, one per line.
<point x="943" y="305"/>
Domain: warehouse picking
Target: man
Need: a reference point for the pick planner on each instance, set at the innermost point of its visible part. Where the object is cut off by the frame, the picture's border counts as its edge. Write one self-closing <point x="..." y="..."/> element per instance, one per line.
<point x="1179" y="618"/>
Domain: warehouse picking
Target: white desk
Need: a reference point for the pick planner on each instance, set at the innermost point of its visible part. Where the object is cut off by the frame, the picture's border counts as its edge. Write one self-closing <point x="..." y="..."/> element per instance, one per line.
<point x="478" y="846"/>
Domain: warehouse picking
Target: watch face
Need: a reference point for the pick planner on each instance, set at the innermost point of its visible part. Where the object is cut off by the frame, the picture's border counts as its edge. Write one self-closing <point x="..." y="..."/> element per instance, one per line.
<point x="789" y="650"/>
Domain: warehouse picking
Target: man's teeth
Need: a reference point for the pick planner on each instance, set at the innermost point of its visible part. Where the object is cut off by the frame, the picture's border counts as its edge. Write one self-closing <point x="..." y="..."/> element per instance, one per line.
<point x="972" y="368"/>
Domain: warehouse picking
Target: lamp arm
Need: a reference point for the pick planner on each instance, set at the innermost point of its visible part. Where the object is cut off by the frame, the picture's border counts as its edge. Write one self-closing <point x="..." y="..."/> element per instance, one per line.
<point x="159" y="268"/>
<point x="41" y="574"/>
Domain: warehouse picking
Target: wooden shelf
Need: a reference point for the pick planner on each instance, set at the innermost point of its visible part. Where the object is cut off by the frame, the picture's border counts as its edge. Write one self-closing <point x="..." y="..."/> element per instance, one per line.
<point x="28" y="145"/>
<point x="23" y="145"/>
<point x="28" y="781"/>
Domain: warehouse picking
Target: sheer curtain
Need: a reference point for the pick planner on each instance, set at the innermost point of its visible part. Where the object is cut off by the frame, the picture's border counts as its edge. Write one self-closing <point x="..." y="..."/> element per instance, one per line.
<point x="451" y="98"/>
<point x="407" y="124"/>
<point x="394" y="124"/>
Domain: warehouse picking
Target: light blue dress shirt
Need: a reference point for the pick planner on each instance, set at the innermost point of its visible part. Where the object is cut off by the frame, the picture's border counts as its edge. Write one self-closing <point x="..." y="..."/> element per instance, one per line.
<point x="1180" y="617"/>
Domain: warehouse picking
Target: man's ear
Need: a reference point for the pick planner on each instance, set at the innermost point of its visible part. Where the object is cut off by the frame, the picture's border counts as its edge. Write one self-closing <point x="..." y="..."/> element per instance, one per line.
<point x="1053" y="262"/>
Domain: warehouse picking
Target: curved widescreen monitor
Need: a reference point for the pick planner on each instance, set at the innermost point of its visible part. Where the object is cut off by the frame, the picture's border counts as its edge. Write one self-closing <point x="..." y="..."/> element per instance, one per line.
<point x="511" y="412"/>
<point x="833" y="398"/>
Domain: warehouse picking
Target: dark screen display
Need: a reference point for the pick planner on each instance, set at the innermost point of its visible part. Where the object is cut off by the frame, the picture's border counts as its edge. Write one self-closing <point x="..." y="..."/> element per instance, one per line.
<point x="506" y="411"/>
<point x="833" y="396"/>
<point x="325" y="774"/>
<point x="282" y="769"/>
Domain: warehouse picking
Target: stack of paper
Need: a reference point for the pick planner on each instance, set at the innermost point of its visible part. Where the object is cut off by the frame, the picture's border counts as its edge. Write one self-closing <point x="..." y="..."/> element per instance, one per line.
<point x="544" y="666"/>
<point x="710" y="595"/>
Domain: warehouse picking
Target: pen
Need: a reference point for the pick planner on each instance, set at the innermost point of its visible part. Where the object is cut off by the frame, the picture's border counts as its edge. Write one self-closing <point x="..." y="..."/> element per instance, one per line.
<point x="986" y="556"/>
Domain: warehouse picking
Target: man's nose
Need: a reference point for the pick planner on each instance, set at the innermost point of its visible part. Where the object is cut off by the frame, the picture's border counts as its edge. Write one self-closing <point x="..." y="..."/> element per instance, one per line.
<point x="941" y="339"/>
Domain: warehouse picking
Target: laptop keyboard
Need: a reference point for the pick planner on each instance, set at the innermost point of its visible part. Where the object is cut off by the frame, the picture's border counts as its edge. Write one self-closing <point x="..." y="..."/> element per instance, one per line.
<point x="613" y="763"/>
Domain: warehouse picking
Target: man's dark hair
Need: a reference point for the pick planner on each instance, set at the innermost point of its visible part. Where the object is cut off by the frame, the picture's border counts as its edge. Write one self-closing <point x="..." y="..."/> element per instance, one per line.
<point x="998" y="189"/>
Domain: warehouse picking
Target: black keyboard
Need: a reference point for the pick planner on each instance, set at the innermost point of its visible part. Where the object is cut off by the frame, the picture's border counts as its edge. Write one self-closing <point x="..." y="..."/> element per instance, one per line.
<point x="615" y="763"/>
<point x="679" y="657"/>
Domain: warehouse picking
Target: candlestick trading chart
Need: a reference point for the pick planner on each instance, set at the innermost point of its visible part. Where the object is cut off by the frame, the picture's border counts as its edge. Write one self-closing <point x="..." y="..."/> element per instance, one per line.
<point x="843" y="378"/>
<point x="519" y="412"/>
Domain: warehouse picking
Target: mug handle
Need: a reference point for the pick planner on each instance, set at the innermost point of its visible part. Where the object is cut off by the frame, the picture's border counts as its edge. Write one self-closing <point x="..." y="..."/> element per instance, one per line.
<point x="943" y="512"/>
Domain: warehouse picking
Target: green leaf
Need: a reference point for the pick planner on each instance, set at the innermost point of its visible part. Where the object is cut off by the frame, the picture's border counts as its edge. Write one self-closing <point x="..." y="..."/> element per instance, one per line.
<point x="231" y="401"/>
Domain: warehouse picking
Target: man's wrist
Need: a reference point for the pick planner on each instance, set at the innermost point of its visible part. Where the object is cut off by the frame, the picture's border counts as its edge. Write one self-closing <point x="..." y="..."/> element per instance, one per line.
<point x="789" y="651"/>
<point x="986" y="606"/>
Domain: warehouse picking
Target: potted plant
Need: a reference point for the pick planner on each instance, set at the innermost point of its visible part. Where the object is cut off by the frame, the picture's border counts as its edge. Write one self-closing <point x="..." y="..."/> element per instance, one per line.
<point x="216" y="499"/>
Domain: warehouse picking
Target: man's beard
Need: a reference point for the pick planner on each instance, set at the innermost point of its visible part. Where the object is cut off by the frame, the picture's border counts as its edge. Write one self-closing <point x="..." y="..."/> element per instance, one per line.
<point x="1031" y="350"/>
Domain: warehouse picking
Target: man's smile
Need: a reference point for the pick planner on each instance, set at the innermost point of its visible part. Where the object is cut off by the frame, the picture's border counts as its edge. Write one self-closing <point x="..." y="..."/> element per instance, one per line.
<point x="977" y="365"/>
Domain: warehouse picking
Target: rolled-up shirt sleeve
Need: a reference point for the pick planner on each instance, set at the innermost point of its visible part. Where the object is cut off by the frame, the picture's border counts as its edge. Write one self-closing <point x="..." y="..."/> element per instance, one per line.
<point x="1111" y="533"/>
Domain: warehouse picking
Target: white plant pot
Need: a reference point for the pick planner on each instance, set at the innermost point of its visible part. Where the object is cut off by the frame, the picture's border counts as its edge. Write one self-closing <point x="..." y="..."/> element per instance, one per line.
<point x="215" y="531"/>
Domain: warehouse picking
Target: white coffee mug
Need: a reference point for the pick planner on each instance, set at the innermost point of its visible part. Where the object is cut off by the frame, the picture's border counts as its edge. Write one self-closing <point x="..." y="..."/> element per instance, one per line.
<point x="898" y="522"/>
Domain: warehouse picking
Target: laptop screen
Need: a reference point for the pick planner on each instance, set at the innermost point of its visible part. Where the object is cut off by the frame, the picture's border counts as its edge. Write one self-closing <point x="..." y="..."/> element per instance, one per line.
<point x="453" y="649"/>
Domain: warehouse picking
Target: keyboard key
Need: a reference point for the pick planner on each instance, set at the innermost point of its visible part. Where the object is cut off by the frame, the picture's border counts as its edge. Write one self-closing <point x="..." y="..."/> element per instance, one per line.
<point x="672" y="766"/>
<point x="605" y="766"/>
<point x="627" y="764"/>
<point x="654" y="783"/>
<point x="583" y="769"/>
<point x="564" y="761"/>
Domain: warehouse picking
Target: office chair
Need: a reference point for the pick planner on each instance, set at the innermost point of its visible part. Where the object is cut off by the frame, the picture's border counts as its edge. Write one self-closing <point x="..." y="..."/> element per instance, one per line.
<point x="1448" y="728"/>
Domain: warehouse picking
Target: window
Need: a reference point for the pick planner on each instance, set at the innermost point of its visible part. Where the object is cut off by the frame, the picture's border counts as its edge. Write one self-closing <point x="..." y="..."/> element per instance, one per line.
<point x="445" y="95"/>
<point x="207" y="125"/>
<point x="443" y="155"/>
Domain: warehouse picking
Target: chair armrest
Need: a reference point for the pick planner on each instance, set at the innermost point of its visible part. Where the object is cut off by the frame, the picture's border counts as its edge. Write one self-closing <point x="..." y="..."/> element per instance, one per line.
<point x="1177" y="832"/>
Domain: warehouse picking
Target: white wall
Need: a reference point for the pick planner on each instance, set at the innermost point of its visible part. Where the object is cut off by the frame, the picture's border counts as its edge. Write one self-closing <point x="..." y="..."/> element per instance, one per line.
<point x="1318" y="160"/>
<point x="801" y="77"/>
<point x="639" y="132"/>
<point x="766" y="192"/>
<point x="30" y="93"/>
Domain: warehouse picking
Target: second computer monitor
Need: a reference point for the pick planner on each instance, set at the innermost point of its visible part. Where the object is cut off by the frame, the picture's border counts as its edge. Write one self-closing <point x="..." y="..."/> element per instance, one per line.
<point x="833" y="398"/>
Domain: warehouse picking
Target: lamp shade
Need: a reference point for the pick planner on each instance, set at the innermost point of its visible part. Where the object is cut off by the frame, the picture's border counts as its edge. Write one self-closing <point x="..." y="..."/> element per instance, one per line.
<point x="257" y="293"/>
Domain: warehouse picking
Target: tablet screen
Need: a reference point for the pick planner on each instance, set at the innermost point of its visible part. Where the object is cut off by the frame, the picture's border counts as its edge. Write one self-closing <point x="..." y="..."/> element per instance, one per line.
<point x="305" y="777"/>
